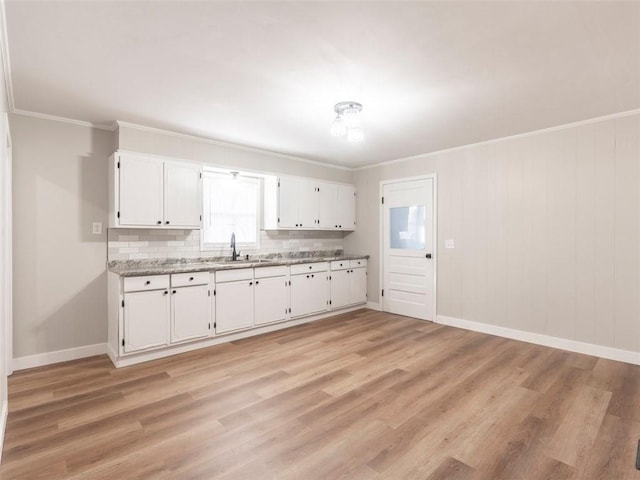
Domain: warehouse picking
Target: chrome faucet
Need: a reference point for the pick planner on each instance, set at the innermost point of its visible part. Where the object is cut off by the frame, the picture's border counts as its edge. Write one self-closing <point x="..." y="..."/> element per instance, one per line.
<point x="234" y="254"/>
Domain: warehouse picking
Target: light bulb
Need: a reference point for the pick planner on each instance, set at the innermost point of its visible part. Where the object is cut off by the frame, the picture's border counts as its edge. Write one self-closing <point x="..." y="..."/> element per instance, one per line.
<point x="351" y="117"/>
<point x="355" y="135"/>
<point x="338" y="128"/>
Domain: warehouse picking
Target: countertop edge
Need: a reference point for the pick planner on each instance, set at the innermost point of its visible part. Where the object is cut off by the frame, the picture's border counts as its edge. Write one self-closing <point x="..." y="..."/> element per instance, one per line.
<point x="213" y="267"/>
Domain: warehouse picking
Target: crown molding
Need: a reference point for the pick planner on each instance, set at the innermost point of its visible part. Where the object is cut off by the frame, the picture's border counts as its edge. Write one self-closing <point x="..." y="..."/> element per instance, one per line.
<point x="235" y="146"/>
<point x="532" y="133"/>
<point x="55" y="118"/>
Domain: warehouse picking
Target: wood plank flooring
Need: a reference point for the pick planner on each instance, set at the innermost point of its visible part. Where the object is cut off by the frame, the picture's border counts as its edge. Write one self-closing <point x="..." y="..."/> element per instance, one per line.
<point x="364" y="395"/>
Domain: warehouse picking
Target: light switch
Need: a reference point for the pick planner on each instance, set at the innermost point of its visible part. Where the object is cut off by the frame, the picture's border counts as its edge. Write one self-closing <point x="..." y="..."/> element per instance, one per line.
<point x="449" y="244"/>
<point x="97" y="228"/>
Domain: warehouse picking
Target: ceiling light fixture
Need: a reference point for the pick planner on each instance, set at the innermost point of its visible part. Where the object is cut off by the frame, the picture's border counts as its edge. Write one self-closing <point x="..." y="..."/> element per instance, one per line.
<point x="347" y="121"/>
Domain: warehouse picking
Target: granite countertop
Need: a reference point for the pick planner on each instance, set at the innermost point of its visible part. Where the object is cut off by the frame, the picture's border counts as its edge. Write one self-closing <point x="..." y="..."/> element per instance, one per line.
<point x="132" y="268"/>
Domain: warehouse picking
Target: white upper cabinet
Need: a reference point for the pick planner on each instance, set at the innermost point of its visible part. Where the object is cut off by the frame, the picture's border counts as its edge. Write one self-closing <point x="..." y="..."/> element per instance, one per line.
<point x="141" y="191"/>
<point x="292" y="203"/>
<point x="288" y="189"/>
<point x="328" y="206"/>
<point x="307" y="204"/>
<point x="182" y="194"/>
<point x="346" y="218"/>
<point x="146" y="191"/>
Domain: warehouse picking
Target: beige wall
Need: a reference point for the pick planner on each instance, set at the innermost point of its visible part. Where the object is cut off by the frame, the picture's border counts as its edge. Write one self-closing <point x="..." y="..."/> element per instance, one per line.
<point x="138" y="140"/>
<point x="59" y="189"/>
<point x="5" y="247"/>
<point x="547" y="231"/>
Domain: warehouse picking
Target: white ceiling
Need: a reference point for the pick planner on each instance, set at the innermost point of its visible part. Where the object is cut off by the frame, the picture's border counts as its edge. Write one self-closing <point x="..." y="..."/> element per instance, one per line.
<point x="430" y="75"/>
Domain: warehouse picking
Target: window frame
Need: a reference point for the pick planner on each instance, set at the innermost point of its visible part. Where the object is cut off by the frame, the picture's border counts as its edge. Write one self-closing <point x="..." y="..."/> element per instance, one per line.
<point x="225" y="247"/>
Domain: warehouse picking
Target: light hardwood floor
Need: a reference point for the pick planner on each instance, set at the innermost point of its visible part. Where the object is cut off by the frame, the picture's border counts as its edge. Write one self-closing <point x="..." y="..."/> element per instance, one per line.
<point x="362" y="395"/>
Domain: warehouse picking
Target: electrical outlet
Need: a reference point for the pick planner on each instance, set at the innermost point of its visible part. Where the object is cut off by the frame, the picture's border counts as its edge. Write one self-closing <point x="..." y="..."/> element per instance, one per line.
<point x="96" y="229"/>
<point x="449" y="243"/>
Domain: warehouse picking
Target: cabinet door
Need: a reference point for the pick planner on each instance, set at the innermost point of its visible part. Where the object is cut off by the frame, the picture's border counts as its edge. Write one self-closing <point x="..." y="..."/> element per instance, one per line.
<point x="182" y="194"/>
<point x="346" y="207"/>
<point x="288" y="203"/>
<point x="340" y="287"/>
<point x="358" y="285"/>
<point x="190" y="314"/>
<point x="300" y="292"/>
<point x="318" y="292"/>
<point x="328" y="206"/>
<point x="271" y="300"/>
<point x="146" y="320"/>
<point x="309" y="294"/>
<point x="307" y="204"/>
<point x="141" y="191"/>
<point x="234" y="306"/>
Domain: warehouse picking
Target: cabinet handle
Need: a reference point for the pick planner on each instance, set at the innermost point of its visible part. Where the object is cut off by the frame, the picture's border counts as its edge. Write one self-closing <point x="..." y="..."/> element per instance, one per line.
<point x="148" y="282"/>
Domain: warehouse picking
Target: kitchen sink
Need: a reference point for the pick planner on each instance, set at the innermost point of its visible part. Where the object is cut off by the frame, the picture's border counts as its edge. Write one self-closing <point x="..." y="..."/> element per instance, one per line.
<point x="241" y="262"/>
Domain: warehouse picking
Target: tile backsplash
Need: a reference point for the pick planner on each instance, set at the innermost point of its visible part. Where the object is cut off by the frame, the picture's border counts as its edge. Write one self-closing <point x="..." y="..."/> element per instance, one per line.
<point x="140" y="244"/>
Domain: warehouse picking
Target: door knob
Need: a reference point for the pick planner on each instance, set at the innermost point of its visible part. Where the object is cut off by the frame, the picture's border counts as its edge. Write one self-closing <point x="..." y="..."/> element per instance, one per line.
<point x="428" y="255"/>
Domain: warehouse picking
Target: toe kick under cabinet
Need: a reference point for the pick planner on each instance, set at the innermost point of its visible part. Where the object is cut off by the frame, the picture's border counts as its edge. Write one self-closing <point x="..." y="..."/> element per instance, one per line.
<point x="158" y="315"/>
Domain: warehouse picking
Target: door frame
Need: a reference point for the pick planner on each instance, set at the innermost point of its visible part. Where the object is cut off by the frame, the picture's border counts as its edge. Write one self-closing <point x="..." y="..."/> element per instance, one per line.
<point x="434" y="178"/>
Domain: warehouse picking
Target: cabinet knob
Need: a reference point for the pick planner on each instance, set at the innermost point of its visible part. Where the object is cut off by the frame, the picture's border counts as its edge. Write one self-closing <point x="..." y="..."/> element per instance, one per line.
<point x="250" y="283"/>
<point x="166" y="292"/>
<point x="310" y="267"/>
<point x="191" y="279"/>
<point x="167" y="222"/>
<point x="174" y="291"/>
<point x="312" y="276"/>
<point x="159" y="222"/>
<point x="307" y="276"/>
<point x="428" y="255"/>
<point x="257" y="282"/>
<point x="148" y="282"/>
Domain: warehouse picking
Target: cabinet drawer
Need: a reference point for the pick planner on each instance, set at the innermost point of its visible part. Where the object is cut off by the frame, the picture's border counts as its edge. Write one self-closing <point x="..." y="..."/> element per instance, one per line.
<point x="309" y="267"/>
<point x="234" y="275"/>
<point x="362" y="262"/>
<point x="266" y="272"/>
<point x="340" y="265"/>
<point x="188" y="279"/>
<point x="148" y="282"/>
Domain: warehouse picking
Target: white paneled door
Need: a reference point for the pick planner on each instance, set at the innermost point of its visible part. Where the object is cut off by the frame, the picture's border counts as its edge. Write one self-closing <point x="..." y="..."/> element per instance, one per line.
<point x="408" y="248"/>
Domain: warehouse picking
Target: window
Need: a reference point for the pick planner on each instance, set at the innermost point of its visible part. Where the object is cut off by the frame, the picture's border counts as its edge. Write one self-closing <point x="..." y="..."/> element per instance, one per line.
<point x="231" y="205"/>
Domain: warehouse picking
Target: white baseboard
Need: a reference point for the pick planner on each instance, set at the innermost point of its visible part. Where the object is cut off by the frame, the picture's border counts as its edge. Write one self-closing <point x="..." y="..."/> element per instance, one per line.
<point x="546" y="340"/>
<point x="3" y="423"/>
<point x="58" y="356"/>
<point x="374" y="306"/>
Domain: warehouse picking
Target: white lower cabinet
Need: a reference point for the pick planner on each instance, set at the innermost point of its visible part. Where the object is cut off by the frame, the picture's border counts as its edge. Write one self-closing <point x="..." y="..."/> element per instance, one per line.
<point x="148" y="313"/>
<point x="309" y="294"/>
<point x="358" y="286"/>
<point x="234" y="305"/>
<point x="340" y="289"/>
<point x="348" y="287"/>
<point x="190" y="313"/>
<point x="146" y="320"/>
<point x="271" y="299"/>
